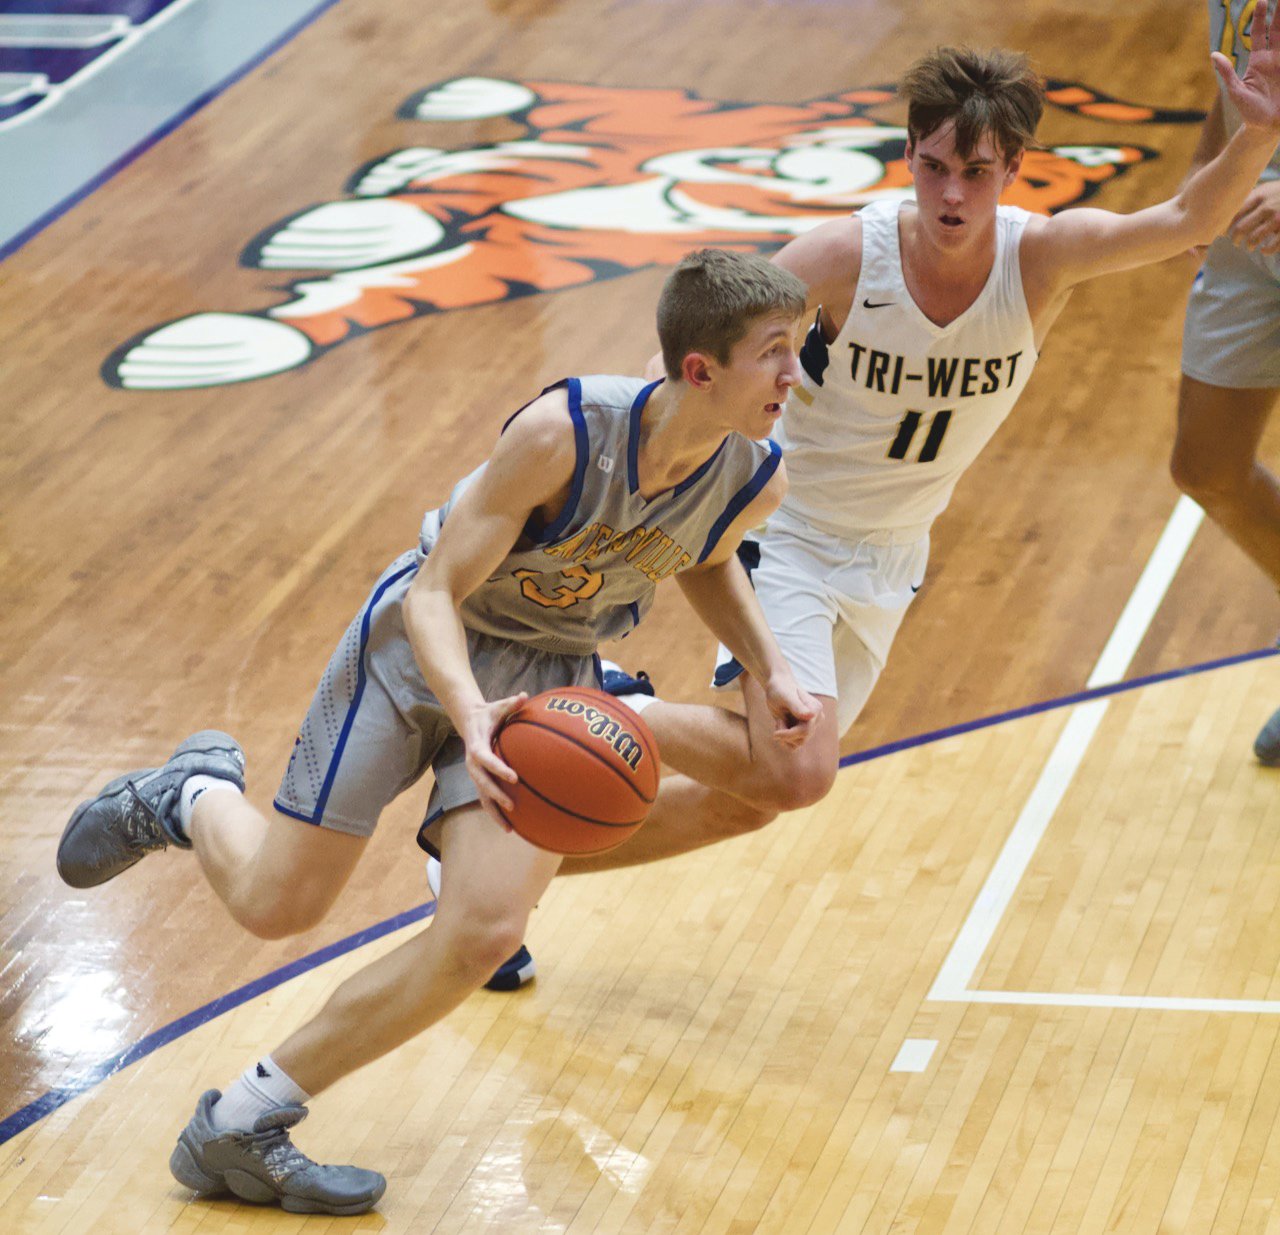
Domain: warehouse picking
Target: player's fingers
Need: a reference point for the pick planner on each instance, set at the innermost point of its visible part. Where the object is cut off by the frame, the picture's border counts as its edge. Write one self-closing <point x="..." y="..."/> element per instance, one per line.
<point x="495" y="767"/>
<point x="1248" y="216"/>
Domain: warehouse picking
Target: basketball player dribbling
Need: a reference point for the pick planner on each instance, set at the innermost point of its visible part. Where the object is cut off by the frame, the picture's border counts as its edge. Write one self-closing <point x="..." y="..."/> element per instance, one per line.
<point x="596" y="491"/>
<point x="930" y="315"/>
<point x="1231" y="352"/>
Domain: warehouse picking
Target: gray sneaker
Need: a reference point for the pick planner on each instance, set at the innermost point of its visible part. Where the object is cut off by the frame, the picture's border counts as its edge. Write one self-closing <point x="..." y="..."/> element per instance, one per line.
<point x="1267" y="744"/>
<point x="264" y="1165"/>
<point x="137" y="813"/>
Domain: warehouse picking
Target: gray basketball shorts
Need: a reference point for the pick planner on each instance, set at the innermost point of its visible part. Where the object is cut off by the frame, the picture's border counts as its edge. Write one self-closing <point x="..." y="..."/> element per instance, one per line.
<point x="374" y="727"/>
<point x="1231" y="337"/>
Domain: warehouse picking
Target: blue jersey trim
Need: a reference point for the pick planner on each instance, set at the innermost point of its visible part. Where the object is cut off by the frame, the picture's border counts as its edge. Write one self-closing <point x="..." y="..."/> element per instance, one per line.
<point x="815" y="355"/>
<point x="543" y="535"/>
<point x="633" y="436"/>
<point x="743" y="498"/>
<point x="361" y="678"/>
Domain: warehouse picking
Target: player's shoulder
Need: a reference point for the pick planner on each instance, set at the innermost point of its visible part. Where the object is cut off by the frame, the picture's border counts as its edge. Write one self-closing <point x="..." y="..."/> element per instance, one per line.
<point x="544" y="427"/>
<point x="830" y="253"/>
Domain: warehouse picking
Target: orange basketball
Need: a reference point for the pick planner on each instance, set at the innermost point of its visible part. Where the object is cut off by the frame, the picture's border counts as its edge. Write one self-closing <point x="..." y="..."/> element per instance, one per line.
<point x="588" y="769"/>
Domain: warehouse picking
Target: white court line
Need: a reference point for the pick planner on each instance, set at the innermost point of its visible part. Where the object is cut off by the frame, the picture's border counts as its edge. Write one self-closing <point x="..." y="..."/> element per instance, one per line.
<point x="952" y="982"/>
<point x="914" y="1055"/>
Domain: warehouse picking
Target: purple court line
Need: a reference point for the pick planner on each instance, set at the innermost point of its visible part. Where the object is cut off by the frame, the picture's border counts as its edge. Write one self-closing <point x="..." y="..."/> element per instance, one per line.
<point x="175" y="121"/>
<point x="47" y="1103"/>
<point x="1033" y="709"/>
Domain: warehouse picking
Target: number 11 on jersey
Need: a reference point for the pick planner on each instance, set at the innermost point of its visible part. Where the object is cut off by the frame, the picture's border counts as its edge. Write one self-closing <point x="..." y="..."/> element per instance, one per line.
<point x="932" y="443"/>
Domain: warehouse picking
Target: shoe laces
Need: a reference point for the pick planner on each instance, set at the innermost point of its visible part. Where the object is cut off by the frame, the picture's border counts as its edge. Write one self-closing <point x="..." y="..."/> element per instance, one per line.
<point x="142" y="825"/>
<point x="279" y="1154"/>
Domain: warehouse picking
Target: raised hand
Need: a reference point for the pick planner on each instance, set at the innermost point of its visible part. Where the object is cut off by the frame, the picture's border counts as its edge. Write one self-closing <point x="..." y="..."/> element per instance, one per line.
<point x="1256" y="95"/>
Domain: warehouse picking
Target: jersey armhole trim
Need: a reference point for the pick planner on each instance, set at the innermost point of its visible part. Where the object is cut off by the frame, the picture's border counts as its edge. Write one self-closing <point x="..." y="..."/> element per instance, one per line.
<point x="541" y="535"/>
<point x="743" y="498"/>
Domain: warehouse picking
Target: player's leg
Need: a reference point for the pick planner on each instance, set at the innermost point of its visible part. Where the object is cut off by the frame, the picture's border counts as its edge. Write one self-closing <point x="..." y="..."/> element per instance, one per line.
<point x="1230" y="381"/>
<point x="491" y="880"/>
<point x="240" y="1141"/>
<point x="1215" y="461"/>
<point x="767" y="779"/>
<point x="276" y="874"/>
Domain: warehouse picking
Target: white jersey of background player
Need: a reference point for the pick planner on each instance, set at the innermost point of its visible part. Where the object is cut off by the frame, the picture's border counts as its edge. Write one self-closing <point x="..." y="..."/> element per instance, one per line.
<point x="841" y="559"/>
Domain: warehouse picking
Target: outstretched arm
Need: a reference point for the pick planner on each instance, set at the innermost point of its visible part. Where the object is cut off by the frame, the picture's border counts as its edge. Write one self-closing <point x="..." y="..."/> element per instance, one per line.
<point x="531" y="464"/>
<point x="1079" y="244"/>
<point x="722" y="597"/>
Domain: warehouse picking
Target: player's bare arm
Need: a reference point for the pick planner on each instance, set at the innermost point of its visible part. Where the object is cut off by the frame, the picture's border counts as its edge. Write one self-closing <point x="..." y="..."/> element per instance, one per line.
<point x="1076" y="245"/>
<point x="721" y="595"/>
<point x="530" y="470"/>
<point x="828" y="260"/>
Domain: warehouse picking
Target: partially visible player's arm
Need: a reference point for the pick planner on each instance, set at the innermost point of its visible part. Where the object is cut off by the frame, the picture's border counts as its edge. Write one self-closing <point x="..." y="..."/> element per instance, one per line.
<point x="1212" y="140"/>
<point x="828" y="261"/>
<point x="1079" y="244"/>
<point x="532" y="462"/>
<point x="722" y="596"/>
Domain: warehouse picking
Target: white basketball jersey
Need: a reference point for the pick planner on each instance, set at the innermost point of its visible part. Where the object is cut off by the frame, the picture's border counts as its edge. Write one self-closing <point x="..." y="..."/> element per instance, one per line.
<point x="893" y="411"/>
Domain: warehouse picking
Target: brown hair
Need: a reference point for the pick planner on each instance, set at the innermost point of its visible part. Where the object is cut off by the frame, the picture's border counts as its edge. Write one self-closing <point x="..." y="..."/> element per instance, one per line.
<point x="996" y="92"/>
<point x="711" y="298"/>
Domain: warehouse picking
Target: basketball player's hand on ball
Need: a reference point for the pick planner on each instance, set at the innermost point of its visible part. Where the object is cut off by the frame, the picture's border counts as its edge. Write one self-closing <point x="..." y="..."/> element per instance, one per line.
<point x="483" y="765"/>
<point x="795" y="711"/>
<point x="1257" y="226"/>
<point x="1256" y="95"/>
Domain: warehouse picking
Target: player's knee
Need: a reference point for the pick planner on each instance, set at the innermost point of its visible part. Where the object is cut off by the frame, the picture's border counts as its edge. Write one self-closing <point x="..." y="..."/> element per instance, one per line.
<point x="481" y="941"/>
<point x="1212" y="482"/>
<point x="278" y="919"/>
<point x="794" y="787"/>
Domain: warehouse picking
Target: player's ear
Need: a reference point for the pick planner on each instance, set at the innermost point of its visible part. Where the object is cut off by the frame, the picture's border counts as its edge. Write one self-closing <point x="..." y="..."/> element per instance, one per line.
<point x="695" y="369"/>
<point x="1012" y="167"/>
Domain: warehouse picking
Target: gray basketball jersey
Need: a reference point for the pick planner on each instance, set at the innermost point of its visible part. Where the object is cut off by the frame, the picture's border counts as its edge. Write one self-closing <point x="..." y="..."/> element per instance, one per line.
<point x="1229" y="22"/>
<point x="590" y="575"/>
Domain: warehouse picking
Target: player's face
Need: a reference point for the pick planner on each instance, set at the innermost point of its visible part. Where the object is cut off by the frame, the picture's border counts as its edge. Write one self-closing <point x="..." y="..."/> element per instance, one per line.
<point x="763" y="367"/>
<point x="957" y="195"/>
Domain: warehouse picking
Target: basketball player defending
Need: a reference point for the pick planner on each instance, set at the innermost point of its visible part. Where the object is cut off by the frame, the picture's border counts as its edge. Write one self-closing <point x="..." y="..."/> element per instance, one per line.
<point x="595" y="491"/>
<point x="1231" y="351"/>
<point x="930" y="315"/>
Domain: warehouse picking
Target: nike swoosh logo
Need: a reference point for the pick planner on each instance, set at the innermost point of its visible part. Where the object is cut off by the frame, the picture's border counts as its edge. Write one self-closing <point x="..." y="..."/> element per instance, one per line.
<point x="884" y="304"/>
<point x="915" y="587"/>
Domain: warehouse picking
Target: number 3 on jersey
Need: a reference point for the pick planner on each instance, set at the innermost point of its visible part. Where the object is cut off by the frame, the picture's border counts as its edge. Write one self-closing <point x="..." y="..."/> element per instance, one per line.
<point x="587" y="585"/>
<point x="932" y="443"/>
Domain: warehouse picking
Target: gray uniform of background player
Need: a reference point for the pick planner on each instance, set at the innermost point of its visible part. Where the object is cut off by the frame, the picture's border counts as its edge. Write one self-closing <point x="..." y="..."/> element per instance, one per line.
<point x="1232" y="332"/>
<point x="374" y="727"/>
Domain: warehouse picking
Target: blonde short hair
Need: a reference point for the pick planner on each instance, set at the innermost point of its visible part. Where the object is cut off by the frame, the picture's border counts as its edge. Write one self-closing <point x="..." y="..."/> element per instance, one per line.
<point x="711" y="298"/>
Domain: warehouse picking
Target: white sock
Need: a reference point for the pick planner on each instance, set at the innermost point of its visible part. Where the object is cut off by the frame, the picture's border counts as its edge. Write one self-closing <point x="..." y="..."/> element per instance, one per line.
<point x="638" y="702"/>
<point x="260" y="1089"/>
<point x="193" y="788"/>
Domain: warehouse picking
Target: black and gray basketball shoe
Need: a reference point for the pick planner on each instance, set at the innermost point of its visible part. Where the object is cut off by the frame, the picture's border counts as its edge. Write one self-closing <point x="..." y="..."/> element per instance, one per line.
<point x="138" y="812"/>
<point x="264" y="1165"/>
<point x="1267" y="744"/>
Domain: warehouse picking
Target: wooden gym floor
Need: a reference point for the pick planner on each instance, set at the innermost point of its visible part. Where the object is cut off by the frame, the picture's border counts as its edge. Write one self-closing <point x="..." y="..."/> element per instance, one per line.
<point x="1021" y="976"/>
